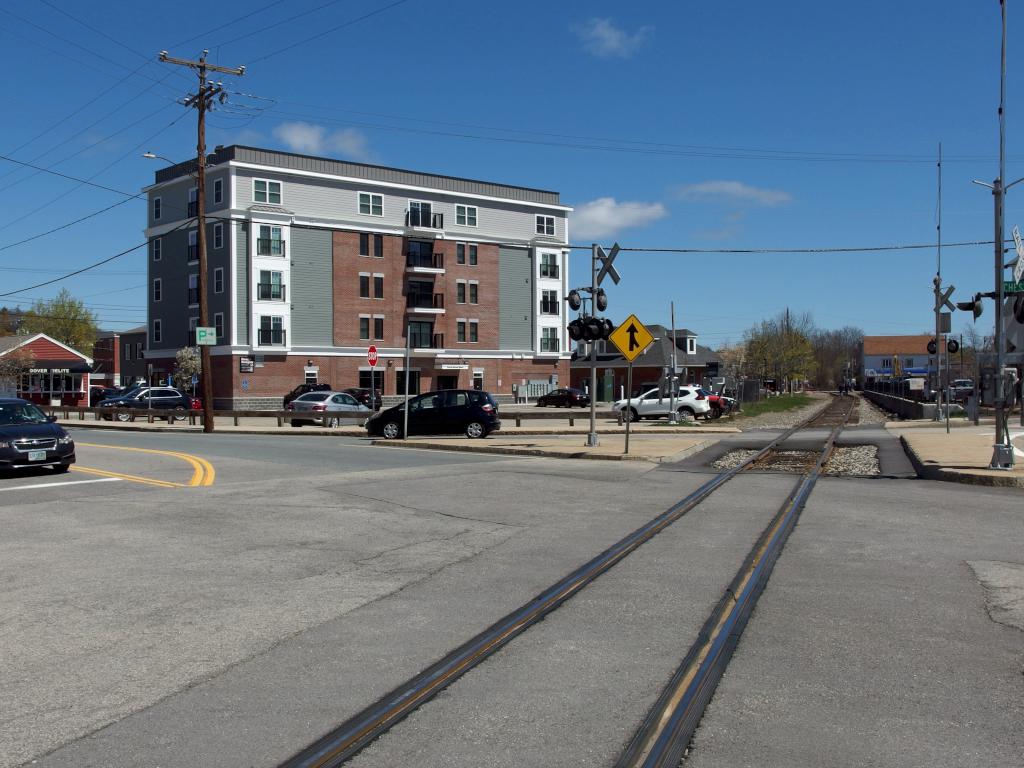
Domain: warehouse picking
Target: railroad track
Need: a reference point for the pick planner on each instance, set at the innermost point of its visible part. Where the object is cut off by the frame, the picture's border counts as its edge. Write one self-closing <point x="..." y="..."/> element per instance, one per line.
<point x="665" y="733"/>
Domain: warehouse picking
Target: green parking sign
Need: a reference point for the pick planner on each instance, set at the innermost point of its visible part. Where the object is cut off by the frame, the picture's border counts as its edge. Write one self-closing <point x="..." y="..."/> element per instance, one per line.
<point x="206" y="336"/>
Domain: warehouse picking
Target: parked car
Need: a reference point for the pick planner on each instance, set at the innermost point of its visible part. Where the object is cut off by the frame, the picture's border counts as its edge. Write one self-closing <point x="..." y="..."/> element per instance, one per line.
<point x="568" y="397"/>
<point x="364" y="396"/>
<point x="445" y="412"/>
<point x="99" y="394"/>
<point x="330" y="407"/>
<point x="962" y="388"/>
<point x="171" y="402"/>
<point x="303" y="389"/>
<point x="720" y="404"/>
<point x="690" y="403"/>
<point x="30" y="438"/>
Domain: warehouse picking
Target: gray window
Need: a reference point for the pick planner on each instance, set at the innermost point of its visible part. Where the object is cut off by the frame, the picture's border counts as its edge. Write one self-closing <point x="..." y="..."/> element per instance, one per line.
<point x="549" y="265"/>
<point x="158" y="335"/>
<point x="158" y="292"/>
<point x="157" y="245"/>
<point x="364" y="328"/>
<point x="218" y="324"/>
<point x="378" y="286"/>
<point x="378" y="328"/>
<point x="549" y="340"/>
<point x="460" y="292"/>
<point x="473" y="335"/>
<point x="218" y="280"/>
<point x="460" y="253"/>
<point x="472" y="255"/>
<point x="460" y="330"/>
<point x="157" y="209"/>
<point x="218" y="191"/>
<point x="549" y="302"/>
<point x="218" y="235"/>
<point x="364" y="243"/>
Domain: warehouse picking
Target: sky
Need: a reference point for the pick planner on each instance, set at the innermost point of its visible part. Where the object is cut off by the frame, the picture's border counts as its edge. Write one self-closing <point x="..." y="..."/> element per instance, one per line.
<point x="665" y="124"/>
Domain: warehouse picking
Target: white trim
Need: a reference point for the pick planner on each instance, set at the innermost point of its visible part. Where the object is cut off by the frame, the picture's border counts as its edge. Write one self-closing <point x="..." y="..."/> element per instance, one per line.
<point x="476" y="215"/>
<point x="359" y="204"/>
<point x="268" y="182"/>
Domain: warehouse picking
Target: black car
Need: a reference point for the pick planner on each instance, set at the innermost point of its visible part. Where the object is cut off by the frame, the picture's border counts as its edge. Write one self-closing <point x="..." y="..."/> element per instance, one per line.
<point x="173" y="403"/>
<point x="567" y="397"/>
<point x="364" y="396"/>
<point x="29" y="438"/>
<point x="99" y="394"/>
<point x="445" y="412"/>
<point x="303" y="389"/>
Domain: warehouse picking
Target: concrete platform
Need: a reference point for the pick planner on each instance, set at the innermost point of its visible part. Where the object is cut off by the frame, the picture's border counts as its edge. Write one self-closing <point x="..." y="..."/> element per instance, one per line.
<point x="962" y="456"/>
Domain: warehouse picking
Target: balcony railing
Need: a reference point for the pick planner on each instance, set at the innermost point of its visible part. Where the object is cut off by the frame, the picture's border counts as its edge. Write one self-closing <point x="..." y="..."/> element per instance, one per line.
<point x="193" y="296"/>
<point x="549" y="345"/>
<point x="549" y="307"/>
<point x="193" y="209"/>
<point x="270" y="291"/>
<point x="425" y="301"/>
<point x="269" y="247"/>
<point x="425" y="260"/>
<point x="193" y="252"/>
<point x="424" y="219"/>
<point x="427" y="341"/>
<point x="549" y="270"/>
<point x="272" y="337"/>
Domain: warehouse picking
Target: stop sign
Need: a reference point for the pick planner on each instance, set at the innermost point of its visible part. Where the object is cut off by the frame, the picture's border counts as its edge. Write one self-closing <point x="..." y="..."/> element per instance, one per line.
<point x="371" y="356"/>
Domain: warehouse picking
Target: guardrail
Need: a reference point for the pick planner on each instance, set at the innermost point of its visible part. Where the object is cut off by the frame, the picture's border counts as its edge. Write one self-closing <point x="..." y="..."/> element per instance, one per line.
<point x="521" y="416"/>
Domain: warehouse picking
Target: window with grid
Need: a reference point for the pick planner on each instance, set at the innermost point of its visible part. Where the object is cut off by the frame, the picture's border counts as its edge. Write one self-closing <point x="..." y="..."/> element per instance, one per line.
<point x="264" y="191"/>
<point x="218" y="191"/>
<point x="549" y="340"/>
<point x="218" y="325"/>
<point x="218" y="280"/>
<point x="371" y="205"/>
<point x="157" y="208"/>
<point x="158" y="328"/>
<point x="460" y="330"/>
<point x="157" y="244"/>
<point x="157" y="289"/>
<point x="549" y="265"/>
<point x="474" y="293"/>
<point x="193" y="249"/>
<point x="465" y="215"/>
<point x="549" y="302"/>
<point x="473" y="335"/>
<point x="364" y="327"/>
<point x="193" y="289"/>
<point x="218" y="236"/>
<point x="545" y="225"/>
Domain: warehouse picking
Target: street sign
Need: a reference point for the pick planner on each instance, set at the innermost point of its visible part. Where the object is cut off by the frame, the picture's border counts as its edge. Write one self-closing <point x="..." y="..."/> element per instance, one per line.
<point x="206" y="337"/>
<point x="1011" y="287"/>
<point x="245" y="385"/>
<point x="195" y="379"/>
<point x="606" y="260"/>
<point x="631" y="338"/>
<point x="942" y="299"/>
<point x="1018" y="268"/>
<point x="371" y="356"/>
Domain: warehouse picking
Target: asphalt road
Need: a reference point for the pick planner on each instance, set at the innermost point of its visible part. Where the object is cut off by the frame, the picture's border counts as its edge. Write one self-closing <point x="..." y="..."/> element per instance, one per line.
<point x="231" y="623"/>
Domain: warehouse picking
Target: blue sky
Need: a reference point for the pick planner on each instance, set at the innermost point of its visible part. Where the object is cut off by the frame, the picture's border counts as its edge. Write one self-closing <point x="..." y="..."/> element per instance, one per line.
<point x="742" y="125"/>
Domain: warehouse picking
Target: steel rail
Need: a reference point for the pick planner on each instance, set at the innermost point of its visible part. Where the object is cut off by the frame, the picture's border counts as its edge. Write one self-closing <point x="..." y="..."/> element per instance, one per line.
<point x="666" y="731"/>
<point x="343" y="742"/>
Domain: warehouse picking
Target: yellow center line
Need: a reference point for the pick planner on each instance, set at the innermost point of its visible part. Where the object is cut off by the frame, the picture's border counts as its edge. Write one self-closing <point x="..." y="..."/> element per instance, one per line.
<point x="122" y="476"/>
<point x="203" y="473"/>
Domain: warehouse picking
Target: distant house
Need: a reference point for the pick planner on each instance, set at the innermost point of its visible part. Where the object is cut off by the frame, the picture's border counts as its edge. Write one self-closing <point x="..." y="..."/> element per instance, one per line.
<point x="57" y="375"/>
<point x="895" y="356"/>
<point x="119" y="357"/>
<point x="694" y="363"/>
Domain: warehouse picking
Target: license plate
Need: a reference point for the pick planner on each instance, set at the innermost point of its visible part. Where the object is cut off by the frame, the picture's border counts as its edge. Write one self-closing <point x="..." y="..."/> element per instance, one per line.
<point x="37" y="455"/>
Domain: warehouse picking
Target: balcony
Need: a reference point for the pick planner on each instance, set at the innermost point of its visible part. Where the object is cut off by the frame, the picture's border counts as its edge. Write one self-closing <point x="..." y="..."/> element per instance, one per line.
<point x="193" y="253"/>
<point x="193" y="209"/>
<point x="549" y="270"/>
<point x="549" y="345"/>
<point x="426" y="219"/>
<point x="272" y="337"/>
<point x="193" y="296"/>
<point x="424" y="263"/>
<point x="269" y="247"/>
<point x="426" y="341"/>
<point x="425" y="303"/>
<point x="270" y="292"/>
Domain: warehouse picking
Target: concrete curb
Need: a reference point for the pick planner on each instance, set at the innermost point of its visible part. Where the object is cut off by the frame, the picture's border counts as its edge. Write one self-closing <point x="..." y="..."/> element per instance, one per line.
<point x="513" y="451"/>
<point x="929" y="471"/>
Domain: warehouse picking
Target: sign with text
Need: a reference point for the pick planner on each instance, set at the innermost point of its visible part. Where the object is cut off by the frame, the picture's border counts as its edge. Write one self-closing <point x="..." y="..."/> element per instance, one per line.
<point x="371" y="356"/>
<point x="206" y="337"/>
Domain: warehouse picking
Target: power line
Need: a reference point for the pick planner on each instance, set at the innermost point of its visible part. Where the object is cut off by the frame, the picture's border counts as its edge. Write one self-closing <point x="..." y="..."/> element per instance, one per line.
<point x="864" y="249"/>
<point x="278" y="22"/>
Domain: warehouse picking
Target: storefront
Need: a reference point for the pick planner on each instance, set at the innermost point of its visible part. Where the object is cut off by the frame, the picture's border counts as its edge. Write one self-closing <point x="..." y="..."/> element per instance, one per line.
<point x="55" y="374"/>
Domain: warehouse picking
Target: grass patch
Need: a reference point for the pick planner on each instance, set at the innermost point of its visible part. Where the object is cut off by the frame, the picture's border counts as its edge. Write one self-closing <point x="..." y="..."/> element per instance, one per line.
<point x="776" y="404"/>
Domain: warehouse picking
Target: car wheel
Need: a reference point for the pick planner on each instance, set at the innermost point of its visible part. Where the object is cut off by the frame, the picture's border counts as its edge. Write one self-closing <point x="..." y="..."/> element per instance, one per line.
<point x="632" y="415"/>
<point x="296" y="422"/>
<point x="541" y="403"/>
<point x="62" y="468"/>
<point x="476" y="430"/>
<point x="125" y="416"/>
<point x="716" y="413"/>
<point x="687" y="414"/>
<point x="178" y="414"/>
<point x="331" y="421"/>
<point x="391" y="430"/>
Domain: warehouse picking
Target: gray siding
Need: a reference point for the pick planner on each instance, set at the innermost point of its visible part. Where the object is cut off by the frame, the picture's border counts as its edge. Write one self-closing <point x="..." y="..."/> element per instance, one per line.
<point x="174" y="198"/>
<point x="310" y="294"/>
<point x="515" y="286"/>
<point x="242" y="281"/>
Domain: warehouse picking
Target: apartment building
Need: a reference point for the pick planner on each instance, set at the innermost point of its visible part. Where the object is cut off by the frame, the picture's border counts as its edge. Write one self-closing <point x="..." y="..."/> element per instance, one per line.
<point x="312" y="260"/>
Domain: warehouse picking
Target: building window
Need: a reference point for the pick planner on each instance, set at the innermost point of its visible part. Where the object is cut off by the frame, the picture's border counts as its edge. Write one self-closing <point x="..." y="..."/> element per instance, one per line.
<point x="886" y="362"/>
<point x="270" y="286"/>
<point x="218" y="280"/>
<point x="269" y="243"/>
<point x="549" y="302"/>
<point x="472" y="255"/>
<point x="378" y="286"/>
<point x="549" y="265"/>
<point x="218" y="191"/>
<point x="364" y="285"/>
<point x="420" y="214"/>
<point x="460" y="253"/>
<point x="378" y="327"/>
<point x="473" y="335"/>
<point x="371" y="205"/>
<point x="474" y="292"/>
<point x="691" y="346"/>
<point x="157" y="206"/>
<point x="157" y="289"/>
<point x="272" y="330"/>
<point x="128" y="352"/>
<point x="158" y="335"/>
<point x="460" y="292"/>
<point x="478" y="380"/>
<point x="414" y="382"/>
<point x="138" y="351"/>
<point x="364" y="243"/>
<point x="158" y="247"/>
<point x="193" y="322"/>
<point x="378" y="246"/>
<point x="193" y="290"/>
<point x="465" y="215"/>
<point x="460" y="331"/>
<point x="421" y="334"/>
<point x="545" y="225"/>
<point x="193" y="249"/>
<point x="193" y="202"/>
<point x="364" y="327"/>
<point x="218" y="325"/>
<point x="218" y="235"/>
<point x="549" y="340"/>
<point x="908" y="362"/>
<point x="264" y="191"/>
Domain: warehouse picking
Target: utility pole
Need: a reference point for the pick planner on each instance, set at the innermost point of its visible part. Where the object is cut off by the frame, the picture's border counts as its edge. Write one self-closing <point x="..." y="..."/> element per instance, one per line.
<point x="592" y="441"/>
<point x="938" y="293"/>
<point x="202" y="101"/>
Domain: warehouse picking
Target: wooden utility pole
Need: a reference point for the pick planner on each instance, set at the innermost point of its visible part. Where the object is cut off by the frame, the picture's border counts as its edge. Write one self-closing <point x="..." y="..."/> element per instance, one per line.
<point x="203" y="100"/>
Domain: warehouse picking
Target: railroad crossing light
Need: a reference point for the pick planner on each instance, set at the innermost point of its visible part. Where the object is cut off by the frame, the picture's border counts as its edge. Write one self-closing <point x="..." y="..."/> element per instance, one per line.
<point x="576" y="330"/>
<point x="1018" y="307"/>
<point x="602" y="300"/>
<point x="974" y="306"/>
<point x="607" y="326"/>
<point x="575" y="302"/>
<point x="592" y="329"/>
<point x="952" y="346"/>
<point x="932" y="347"/>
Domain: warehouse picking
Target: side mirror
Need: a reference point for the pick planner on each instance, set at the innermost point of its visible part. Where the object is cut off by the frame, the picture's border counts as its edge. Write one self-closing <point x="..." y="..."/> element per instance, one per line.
<point x="51" y="418"/>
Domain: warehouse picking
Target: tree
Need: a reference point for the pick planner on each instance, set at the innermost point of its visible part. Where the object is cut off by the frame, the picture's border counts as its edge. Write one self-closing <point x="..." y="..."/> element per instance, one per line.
<point x="13" y="366"/>
<point x="186" y="364"/>
<point x="63" y="318"/>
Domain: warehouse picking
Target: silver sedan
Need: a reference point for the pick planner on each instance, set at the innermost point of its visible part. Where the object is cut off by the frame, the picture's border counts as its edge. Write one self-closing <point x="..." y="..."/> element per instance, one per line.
<point x="331" y="408"/>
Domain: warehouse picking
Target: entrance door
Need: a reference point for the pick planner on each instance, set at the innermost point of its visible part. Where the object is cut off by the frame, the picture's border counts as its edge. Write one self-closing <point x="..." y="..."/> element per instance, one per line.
<point x="447" y="382"/>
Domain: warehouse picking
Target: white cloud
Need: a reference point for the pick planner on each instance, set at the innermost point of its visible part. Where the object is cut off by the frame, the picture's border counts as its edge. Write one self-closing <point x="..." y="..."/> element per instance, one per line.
<point x="315" y="140"/>
<point x="604" y="217"/>
<point x="602" y="38"/>
<point x="734" y="193"/>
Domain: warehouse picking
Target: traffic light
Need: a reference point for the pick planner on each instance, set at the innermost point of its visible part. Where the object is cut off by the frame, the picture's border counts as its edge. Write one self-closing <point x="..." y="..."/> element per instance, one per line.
<point x="974" y="305"/>
<point x="576" y="330"/>
<point x="602" y="300"/>
<point x="952" y="346"/>
<point x="575" y="302"/>
<point x="590" y="328"/>
<point x="932" y="347"/>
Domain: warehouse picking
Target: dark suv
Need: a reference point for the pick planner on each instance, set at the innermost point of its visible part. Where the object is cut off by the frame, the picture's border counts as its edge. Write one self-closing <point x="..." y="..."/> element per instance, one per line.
<point x="370" y="399"/>
<point x="172" y="402"/>
<point x="303" y="389"/>
<point x="445" y="412"/>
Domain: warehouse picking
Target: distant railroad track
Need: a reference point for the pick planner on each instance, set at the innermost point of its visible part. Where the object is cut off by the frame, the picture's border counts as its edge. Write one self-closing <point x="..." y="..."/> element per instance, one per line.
<point x="665" y="732"/>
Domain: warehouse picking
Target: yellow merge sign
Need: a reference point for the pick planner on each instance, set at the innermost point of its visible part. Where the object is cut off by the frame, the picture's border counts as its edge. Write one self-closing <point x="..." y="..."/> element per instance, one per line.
<point x="631" y="338"/>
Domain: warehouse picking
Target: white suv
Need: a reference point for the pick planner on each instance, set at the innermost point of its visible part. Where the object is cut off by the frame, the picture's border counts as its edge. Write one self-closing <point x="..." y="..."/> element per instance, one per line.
<point x="689" y="402"/>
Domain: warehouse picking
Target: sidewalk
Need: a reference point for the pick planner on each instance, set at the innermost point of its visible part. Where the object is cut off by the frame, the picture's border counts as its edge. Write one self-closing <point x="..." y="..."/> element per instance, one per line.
<point x="962" y="456"/>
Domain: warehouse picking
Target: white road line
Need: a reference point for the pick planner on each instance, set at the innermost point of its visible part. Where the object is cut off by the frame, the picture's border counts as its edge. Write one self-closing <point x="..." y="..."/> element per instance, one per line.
<point x="69" y="482"/>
